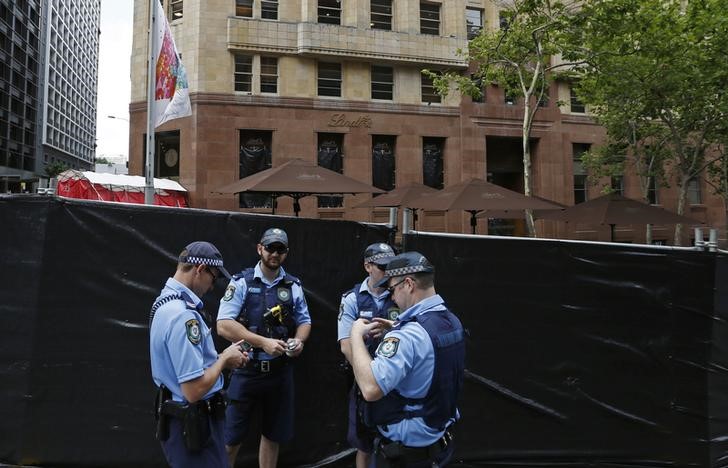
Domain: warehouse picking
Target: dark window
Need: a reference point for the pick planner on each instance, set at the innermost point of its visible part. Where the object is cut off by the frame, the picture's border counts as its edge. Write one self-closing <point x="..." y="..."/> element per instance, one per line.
<point x="244" y="8"/>
<point x="269" y="9"/>
<point x="381" y="14"/>
<point x="653" y="195"/>
<point x="330" y="148"/>
<point x="255" y="156"/>
<point x="166" y="154"/>
<point x="382" y="82"/>
<point x="432" y="168"/>
<point x="580" y="176"/>
<point x="474" y="21"/>
<point x="268" y="75"/>
<point x="383" y="161"/>
<point x="329" y="11"/>
<point x="175" y="9"/>
<point x="479" y="83"/>
<point x="428" y="90"/>
<point x="243" y="73"/>
<point x="430" y="18"/>
<point x="694" y="195"/>
<point x="617" y="184"/>
<point x="576" y="105"/>
<point x="329" y="79"/>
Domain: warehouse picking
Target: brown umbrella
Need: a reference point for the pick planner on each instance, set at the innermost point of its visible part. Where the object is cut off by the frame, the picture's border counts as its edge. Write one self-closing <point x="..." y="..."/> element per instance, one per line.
<point x="297" y="179"/>
<point x="520" y="214"/>
<point x="613" y="209"/>
<point x="476" y="195"/>
<point x="400" y="197"/>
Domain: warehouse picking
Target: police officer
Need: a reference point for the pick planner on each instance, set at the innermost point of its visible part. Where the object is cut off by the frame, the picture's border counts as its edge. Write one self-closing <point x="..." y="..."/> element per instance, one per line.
<point x="185" y="366"/>
<point x="412" y="384"/>
<point x="266" y="307"/>
<point x="365" y="300"/>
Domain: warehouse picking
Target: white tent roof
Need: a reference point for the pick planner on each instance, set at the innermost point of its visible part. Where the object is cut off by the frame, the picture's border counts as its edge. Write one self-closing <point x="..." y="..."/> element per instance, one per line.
<point x="119" y="180"/>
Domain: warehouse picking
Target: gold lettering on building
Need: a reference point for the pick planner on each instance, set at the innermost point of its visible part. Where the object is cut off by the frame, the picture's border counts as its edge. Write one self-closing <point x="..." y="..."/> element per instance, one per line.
<point x="340" y="120"/>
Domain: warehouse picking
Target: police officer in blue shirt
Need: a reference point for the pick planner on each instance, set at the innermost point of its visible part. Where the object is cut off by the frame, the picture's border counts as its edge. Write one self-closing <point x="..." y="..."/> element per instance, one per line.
<point x="185" y="366"/>
<point x="365" y="300"/>
<point x="264" y="306"/>
<point x="412" y="385"/>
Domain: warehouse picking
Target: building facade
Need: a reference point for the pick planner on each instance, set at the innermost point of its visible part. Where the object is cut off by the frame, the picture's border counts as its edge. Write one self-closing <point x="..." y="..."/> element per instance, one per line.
<point x="48" y="80"/>
<point x="339" y="82"/>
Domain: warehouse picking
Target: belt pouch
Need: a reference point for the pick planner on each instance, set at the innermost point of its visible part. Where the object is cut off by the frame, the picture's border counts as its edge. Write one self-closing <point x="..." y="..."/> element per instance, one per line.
<point x="195" y="428"/>
<point x="162" y="429"/>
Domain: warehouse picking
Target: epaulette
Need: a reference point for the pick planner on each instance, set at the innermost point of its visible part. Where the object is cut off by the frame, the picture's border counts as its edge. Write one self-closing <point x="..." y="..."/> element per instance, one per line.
<point x="164" y="300"/>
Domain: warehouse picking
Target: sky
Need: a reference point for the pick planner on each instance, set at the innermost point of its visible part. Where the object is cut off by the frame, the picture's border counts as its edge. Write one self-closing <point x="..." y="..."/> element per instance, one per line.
<point x="114" y="89"/>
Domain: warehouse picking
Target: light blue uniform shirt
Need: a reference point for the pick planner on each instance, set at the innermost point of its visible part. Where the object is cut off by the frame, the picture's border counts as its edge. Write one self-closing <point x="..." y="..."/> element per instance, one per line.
<point x="349" y="310"/>
<point x="232" y="303"/>
<point x="409" y="371"/>
<point x="175" y="358"/>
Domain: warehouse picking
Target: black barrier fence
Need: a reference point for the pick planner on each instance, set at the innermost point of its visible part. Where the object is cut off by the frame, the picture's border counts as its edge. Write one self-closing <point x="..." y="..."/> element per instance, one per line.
<point x="579" y="354"/>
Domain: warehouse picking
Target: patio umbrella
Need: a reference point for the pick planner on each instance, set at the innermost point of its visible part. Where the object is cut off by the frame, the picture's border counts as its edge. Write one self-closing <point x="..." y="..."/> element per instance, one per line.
<point x="399" y="197"/>
<point x="520" y="214"/>
<point x="613" y="209"/>
<point x="476" y="195"/>
<point x="297" y="179"/>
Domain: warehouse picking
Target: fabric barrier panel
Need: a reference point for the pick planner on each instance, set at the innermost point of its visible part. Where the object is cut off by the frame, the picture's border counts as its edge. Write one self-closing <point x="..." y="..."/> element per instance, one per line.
<point x="587" y="354"/>
<point x="580" y="354"/>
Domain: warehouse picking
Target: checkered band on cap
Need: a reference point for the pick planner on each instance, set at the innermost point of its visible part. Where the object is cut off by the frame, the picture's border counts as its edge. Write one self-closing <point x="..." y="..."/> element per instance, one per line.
<point x="408" y="263"/>
<point x="379" y="256"/>
<point x="408" y="270"/>
<point x="201" y="261"/>
<point x="376" y="252"/>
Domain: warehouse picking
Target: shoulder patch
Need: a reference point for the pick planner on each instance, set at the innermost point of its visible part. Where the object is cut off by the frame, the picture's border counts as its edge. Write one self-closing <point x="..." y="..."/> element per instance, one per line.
<point x="229" y="293"/>
<point x="341" y="310"/>
<point x="193" y="331"/>
<point x="388" y="347"/>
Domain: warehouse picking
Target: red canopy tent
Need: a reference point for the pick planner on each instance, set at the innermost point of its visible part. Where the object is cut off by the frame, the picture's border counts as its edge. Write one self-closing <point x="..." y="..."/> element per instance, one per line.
<point x="118" y="188"/>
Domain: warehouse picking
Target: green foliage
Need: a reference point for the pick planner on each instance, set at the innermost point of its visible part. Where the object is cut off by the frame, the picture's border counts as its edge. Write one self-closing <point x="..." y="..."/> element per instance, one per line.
<point x="55" y="168"/>
<point x="102" y="160"/>
<point x="655" y="77"/>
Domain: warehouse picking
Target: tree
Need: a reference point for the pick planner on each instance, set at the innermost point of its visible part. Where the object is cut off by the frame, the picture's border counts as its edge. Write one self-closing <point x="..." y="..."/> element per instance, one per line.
<point x="636" y="145"/>
<point x="55" y="168"/>
<point x="520" y="57"/>
<point x="661" y="65"/>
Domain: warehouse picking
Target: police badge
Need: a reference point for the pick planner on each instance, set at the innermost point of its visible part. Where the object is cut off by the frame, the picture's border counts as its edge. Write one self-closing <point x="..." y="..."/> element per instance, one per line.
<point x="393" y="313"/>
<point x="388" y="347"/>
<point x="284" y="294"/>
<point x="193" y="331"/>
<point x="229" y="293"/>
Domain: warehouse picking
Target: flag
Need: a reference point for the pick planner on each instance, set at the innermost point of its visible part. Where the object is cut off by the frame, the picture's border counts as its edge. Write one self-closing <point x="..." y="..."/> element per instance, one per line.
<point x="171" y="90"/>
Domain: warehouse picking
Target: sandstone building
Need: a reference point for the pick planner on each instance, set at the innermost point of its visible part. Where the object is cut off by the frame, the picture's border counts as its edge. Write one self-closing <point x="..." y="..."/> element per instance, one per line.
<point x="339" y="82"/>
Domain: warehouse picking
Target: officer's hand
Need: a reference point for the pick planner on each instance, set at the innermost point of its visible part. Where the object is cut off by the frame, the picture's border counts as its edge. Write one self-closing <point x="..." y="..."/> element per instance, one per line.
<point x="382" y="326"/>
<point x="274" y="347"/>
<point x="295" y="347"/>
<point x="233" y="357"/>
<point x="362" y="327"/>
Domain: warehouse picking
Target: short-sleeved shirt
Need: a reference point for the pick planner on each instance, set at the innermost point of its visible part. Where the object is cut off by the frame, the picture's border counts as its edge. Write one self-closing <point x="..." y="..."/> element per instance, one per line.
<point x="232" y="303"/>
<point x="349" y="310"/>
<point x="180" y="342"/>
<point x="405" y="361"/>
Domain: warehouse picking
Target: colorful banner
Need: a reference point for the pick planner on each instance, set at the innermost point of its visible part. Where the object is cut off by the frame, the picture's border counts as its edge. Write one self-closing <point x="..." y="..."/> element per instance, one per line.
<point x="171" y="91"/>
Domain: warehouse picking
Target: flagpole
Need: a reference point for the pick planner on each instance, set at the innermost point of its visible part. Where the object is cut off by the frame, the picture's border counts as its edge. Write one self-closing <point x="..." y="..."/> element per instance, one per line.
<point x="151" y="83"/>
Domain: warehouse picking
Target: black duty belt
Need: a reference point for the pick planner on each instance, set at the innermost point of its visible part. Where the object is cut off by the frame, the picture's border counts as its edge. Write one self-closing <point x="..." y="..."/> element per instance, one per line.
<point x="397" y="451"/>
<point x="258" y="366"/>
<point x="213" y="406"/>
